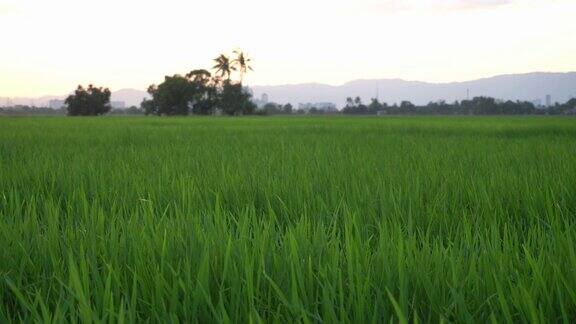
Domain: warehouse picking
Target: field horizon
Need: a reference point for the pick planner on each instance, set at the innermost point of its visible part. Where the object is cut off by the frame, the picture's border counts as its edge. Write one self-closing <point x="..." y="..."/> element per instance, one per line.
<point x="288" y="219"/>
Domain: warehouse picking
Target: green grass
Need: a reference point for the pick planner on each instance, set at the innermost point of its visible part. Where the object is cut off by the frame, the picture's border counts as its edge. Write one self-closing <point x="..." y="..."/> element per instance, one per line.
<point x="329" y="220"/>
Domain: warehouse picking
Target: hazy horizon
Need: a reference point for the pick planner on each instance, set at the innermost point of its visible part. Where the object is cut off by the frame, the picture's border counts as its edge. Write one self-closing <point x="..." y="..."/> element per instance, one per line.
<point x="70" y="91"/>
<point x="53" y="47"/>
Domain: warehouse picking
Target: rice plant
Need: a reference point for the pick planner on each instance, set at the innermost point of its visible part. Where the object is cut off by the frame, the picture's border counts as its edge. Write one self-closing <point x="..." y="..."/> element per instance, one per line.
<point x="276" y="220"/>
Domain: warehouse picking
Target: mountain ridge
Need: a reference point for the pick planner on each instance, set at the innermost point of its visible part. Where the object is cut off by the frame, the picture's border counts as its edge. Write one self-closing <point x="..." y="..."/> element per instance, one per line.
<point x="532" y="86"/>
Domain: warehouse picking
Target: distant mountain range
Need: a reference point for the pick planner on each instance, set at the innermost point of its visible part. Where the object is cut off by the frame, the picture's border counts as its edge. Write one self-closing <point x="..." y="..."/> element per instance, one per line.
<point x="530" y="87"/>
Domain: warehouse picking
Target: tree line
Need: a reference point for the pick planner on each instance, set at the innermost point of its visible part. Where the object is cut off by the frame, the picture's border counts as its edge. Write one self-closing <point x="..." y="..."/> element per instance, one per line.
<point x="198" y="92"/>
<point x="475" y="106"/>
<point x="202" y="92"/>
<point x="26" y="110"/>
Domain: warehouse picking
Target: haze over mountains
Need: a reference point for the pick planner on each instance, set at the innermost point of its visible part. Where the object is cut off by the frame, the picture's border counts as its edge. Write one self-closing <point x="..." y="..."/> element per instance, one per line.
<point x="530" y="87"/>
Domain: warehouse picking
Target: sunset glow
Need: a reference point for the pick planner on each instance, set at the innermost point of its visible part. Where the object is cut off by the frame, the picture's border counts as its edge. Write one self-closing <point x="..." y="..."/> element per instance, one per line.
<point x="48" y="47"/>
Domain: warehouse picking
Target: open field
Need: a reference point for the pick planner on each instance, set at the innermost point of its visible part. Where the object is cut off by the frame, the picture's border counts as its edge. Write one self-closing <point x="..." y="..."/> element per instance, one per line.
<point x="288" y="219"/>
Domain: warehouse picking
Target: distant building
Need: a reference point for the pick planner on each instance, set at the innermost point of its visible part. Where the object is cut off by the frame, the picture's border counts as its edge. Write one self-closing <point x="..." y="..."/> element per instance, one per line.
<point x="56" y="104"/>
<point x="548" y="100"/>
<point x="118" y="104"/>
<point x="324" y="106"/>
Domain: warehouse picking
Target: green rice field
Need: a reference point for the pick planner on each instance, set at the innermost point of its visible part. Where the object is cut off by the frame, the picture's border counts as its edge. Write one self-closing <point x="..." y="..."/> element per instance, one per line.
<point x="288" y="219"/>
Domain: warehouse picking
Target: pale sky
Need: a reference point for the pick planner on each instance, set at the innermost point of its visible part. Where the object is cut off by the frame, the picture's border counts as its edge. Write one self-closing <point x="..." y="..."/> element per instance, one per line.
<point x="50" y="46"/>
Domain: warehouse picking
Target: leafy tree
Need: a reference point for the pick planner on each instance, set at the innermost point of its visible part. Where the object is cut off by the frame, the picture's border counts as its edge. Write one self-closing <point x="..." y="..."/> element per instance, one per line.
<point x="349" y="102"/>
<point x="235" y="100"/>
<point x="271" y="108"/>
<point x="406" y="107"/>
<point x="439" y="107"/>
<point x="355" y="106"/>
<point x="133" y="110"/>
<point x="200" y="76"/>
<point x="287" y="109"/>
<point x="484" y="106"/>
<point x="174" y="96"/>
<point x="478" y="106"/>
<point x="149" y="107"/>
<point x="375" y="106"/>
<point x="201" y="92"/>
<point x="570" y="107"/>
<point x="560" y="109"/>
<point x="92" y="101"/>
<point x="206" y="90"/>
<point x="178" y="94"/>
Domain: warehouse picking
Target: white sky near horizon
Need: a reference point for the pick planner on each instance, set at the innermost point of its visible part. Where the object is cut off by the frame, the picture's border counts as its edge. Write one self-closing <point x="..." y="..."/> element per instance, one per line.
<point x="49" y="47"/>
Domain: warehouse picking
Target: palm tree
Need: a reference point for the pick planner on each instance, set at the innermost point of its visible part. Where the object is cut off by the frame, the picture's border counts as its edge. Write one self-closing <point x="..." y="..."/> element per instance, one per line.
<point x="223" y="66"/>
<point x="243" y="63"/>
<point x="349" y="102"/>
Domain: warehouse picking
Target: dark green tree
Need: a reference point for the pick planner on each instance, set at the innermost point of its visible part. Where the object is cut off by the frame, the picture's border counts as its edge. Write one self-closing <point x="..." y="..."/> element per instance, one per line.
<point x="271" y="108"/>
<point x="174" y="96"/>
<point x="355" y="107"/>
<point x="287" y="109"/>
<point x="349" y="102"/>
<point x="235" y="100"/>
<point x="375" y="106"/>
<point x="315" y="111"/>
<point x="149" y="107"/>
<point x="92" y="101"/>
<point x="201" y="92"/>
<point x="406" y="107"/>
<point x="206" y="91"/>
<point x="133" y="110"/>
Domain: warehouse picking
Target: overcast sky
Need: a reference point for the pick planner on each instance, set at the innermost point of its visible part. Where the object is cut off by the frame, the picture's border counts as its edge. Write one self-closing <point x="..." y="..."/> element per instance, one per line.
<point x="50" y="46"/>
